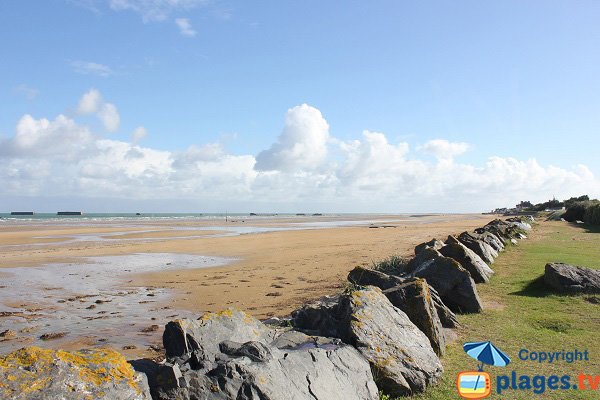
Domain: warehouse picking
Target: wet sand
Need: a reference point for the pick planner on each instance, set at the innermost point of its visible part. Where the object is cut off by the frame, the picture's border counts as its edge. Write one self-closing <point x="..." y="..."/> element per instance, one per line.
<point x="101" y="284"/>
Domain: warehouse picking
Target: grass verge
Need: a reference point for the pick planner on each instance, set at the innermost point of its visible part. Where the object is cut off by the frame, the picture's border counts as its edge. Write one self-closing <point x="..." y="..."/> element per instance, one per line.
<point x="521" y="313"/>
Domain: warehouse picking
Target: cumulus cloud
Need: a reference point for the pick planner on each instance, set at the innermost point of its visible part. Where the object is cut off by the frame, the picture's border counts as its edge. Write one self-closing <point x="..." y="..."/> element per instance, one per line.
<point x="301" y="145"/>
<point x="443" y="149"/>
<point x="109" y="116"/>
<point x="91" y="68"/>
<point x="185" y="27"/>
<point x="92" y="103"/>
<point x="138" y="134"/>
<point x="304" y="168"/>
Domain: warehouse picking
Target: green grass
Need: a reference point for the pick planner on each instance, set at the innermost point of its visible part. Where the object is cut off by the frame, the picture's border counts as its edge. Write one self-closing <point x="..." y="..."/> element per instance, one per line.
<point x="521" y="313"/>
<point x="391" y="265"/>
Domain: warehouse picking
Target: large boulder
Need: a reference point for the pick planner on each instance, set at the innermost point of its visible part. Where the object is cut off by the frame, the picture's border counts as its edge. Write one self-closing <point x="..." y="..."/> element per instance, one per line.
<point x="479" y="270"/>
<point x="480" y="247"/>
<point x="35" y="373"/>
<point x="369" y="277"/>
<point x="506" y="229"/>
<point x="339" y="371"/>
<point x="184" y="336"/>
<point x="520" y="223"/>
<point x="400" y="355"/>
<point x="499" y="228"/>
<point x="571" y="278"/>
<point x="413" y="296"/>
<point x="453" y="283"/>
<point x="231" y="355"/>
<point x="497" y="242"/>
<point x="432" y="244"/>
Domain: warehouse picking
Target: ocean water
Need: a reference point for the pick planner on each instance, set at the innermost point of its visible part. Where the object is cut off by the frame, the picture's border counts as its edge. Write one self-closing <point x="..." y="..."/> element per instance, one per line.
<point x="159" y="216"/>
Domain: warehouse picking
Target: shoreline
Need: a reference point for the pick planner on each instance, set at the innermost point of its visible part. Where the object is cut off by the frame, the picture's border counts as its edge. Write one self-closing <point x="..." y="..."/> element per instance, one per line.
<point x="273" y="272"/>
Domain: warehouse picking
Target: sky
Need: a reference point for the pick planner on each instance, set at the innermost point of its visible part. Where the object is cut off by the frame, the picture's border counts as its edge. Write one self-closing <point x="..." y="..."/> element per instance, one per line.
<point x="297" y="106"/>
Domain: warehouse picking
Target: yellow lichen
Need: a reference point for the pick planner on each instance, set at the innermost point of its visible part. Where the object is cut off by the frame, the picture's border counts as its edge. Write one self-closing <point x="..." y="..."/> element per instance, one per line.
<point x="225" y="313"/>
<point x="95" y="367"/>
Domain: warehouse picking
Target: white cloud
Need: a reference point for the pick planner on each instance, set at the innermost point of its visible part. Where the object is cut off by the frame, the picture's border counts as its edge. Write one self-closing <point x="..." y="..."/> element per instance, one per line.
<point x="155" y="10"/>
<point x="91" y="68"/>
<point x="109" y="116"/>
<point x="92" y="103"/>
<point x="443" y="149"/>
<point x="138" y="134"/>
<point x="60" y="157"/>
<point x="185" y="27"/>
<point x="28" y="92"/>
<point x="302" y="143"/>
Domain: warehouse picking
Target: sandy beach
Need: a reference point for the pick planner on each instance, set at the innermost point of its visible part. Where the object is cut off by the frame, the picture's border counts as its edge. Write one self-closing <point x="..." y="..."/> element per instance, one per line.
<point x="117" y="283"/>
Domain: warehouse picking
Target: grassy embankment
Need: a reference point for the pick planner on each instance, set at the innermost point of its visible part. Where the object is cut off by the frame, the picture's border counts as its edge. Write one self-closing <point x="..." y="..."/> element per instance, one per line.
<point x="521" y="313"/>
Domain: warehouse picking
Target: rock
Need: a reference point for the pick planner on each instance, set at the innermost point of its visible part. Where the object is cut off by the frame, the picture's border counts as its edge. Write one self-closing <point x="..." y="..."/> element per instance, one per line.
<point x="319" y="318"/>
<point x="169" y="376"/>
<point x="400" y="354"/>
<point x="293" y="366"/>
<point x="413" y="296"/>
<point x="479" y="270"/>
<point x="514" y="242"/>
<point x="255" y="351"/>
<point x="507" y="229"/>
<point x="53" y="335"/>
<point x="493" y="240"/>
<point x="369" y="277"/>
<point x="295" y="340"/>
<point x="432" y="244"/>
<point x="523" y="226"/>
<point x="520" y="223"/>
<point x="340" y="373"/>
<point x="183" y="336"/>
<point x="272" y="321"/>
<point x="453" y="283"/>
<point x="151" y="328"/>
<point x="447" y="317"/>
<point x="498" y="228"/>
<point x="480" y="247"/>
<point x="35" y="373"/>
<point x="571" y="278"/>
<point x="8" y="334"/>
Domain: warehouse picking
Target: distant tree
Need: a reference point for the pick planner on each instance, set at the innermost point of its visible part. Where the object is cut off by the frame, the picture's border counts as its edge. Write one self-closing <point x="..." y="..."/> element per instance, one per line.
<point x="548" y="204"/>
<point x="525" y="205"/>
<point x="574" y="200"/>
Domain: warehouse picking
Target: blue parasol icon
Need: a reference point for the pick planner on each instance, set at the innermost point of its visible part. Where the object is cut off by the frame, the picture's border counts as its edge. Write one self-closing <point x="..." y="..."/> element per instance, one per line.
<point x="486" y="353"/>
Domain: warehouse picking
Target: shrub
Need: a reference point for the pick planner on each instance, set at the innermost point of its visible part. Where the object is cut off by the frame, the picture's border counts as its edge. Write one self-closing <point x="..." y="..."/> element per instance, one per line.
<point x="586" y="211"/>
<point x="393" y="265"/>
<point x="575" y="212"/>
<point x="592" y="214"/>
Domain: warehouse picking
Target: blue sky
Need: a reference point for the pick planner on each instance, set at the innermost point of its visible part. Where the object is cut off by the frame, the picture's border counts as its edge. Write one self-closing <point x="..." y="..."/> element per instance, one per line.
<point x="461" y="93"/>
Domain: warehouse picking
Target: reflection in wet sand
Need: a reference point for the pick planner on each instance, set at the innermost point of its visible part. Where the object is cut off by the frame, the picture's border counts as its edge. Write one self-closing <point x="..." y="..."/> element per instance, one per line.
<point x="90" y="301"/>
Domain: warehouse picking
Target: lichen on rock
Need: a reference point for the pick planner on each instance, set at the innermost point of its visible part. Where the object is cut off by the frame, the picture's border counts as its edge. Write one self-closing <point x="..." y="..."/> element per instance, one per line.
<point x="36" y="373"/>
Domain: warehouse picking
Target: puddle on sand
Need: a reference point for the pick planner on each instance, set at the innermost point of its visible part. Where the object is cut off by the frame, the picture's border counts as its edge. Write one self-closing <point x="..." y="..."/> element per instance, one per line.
<point x="91" y="301"/>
